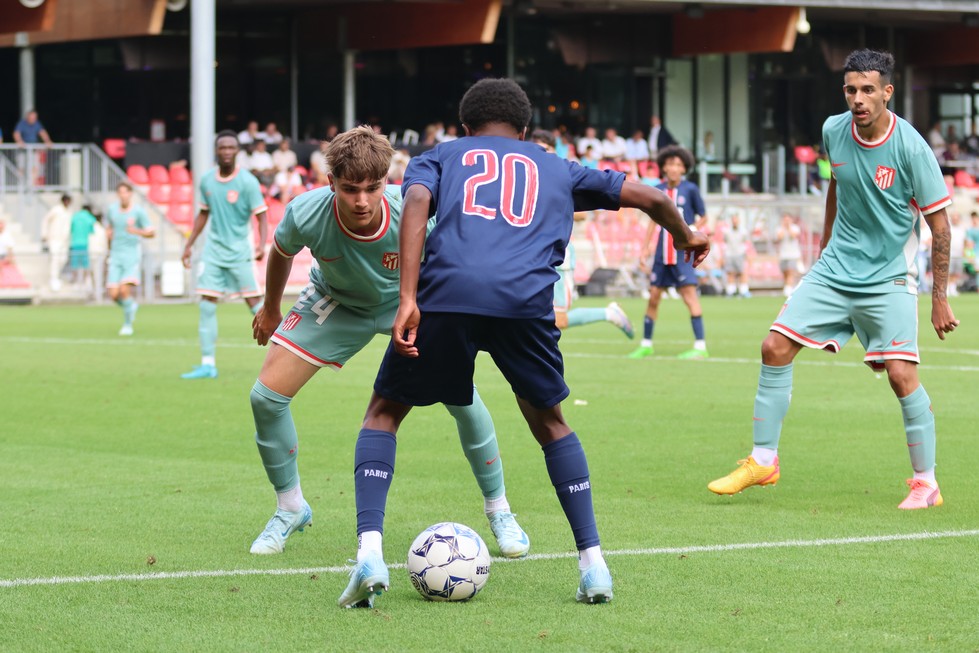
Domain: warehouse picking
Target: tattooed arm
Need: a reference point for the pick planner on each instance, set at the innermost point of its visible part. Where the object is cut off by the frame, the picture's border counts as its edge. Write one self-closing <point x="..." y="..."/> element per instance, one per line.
<point x="941" y="313"/>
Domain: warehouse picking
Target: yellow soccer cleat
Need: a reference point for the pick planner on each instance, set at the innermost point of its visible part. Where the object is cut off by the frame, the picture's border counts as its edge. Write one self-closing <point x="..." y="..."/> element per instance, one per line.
<point x="747" y="474"/>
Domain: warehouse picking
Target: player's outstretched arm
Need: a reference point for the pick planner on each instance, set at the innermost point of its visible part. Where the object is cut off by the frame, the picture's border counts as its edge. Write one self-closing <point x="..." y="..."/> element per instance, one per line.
<point x="268" y="317"/>
<point x="414" y="224"/>
<point x="199" y="223"/>
<point x="661" y="209"/>
<point x="941" y="239"/>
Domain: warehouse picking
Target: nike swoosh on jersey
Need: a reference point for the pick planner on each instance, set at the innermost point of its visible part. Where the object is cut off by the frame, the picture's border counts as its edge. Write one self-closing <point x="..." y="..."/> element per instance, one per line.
<point x="330" y="260"/>
<point x="837" y="165"/>
<point x="895" y="343"/>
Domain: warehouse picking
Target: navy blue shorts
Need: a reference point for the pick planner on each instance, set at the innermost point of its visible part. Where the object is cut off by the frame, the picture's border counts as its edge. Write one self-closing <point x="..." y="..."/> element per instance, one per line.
<point x="665" y="276"/>
<point x="525" y="351"/>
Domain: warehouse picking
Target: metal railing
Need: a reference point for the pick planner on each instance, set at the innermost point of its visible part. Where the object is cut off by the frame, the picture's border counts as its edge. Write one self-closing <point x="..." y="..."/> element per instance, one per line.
<point x="33" y="177"/>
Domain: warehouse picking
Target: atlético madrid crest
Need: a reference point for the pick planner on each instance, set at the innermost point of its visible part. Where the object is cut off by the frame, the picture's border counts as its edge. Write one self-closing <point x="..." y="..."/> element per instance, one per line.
<point x="291" y="321"/>
<point x="884" y="177"/>
<point x="232" y="196"/>
<point x="390" y="260"/>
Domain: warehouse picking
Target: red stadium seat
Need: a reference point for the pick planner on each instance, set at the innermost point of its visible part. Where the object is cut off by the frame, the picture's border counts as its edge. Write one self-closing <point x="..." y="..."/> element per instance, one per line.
<point x="805" y="154"/>
<point x="181" y="215"/>
<point x="181" y="193"/>
<point x="303" y="172"/>
<point x="138" y="175"/>
<point x="115" y="148"/>
<point x="179" y="175"/>
<point x="159" y="193"/>
<point x="10" y="277"/>
<point x="158" y="174"/>
<point x="964" y="180"/>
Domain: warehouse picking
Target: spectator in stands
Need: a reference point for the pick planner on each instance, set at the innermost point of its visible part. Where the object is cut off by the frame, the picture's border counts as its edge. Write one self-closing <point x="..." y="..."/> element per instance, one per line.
<point x="82" y="227"/>
<point x="430" y="138"/>
<point x="613" y="146"/>
<point x="707" y="148"/>
<point x="250" y="134"/>
<point x="562" y="145"/>
<point x="951" y="135"/>
<point x="272" y="136"/>
<point x="588" y="158"/>
<point x="636" y="148"/>
<point x="589" y="140"/>
<point x="6" y="246"/>
<point x="789" y="245"/>
<point x="399" y="162"/>
<point x="659" y="137"/>
<point x="284" y="158"/>
<point x="30" y="131"/>
<point x="935" y="138"/>
<point x="55" y="234"/>
<point x="244" y="158"/>
<point x="451" y="134"/>
<point x="261" y="163"/>
<point x="318" y="167"/>
<point x="972" y="141"/>
<point x="737" y="248"/>
<point x="951" y="159"/>
<point x="286" y="185"/>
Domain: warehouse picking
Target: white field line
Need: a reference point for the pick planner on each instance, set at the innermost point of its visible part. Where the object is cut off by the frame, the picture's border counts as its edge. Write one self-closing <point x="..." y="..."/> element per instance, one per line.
<point x="827" y="360"/>
<point x="706" y="548"/>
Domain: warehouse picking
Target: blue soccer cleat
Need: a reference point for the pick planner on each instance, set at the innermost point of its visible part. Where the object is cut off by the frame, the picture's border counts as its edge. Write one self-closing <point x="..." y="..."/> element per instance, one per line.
<point x="368" y="578"/>
<point x="280" y="527"/>
<point x="512" y="539"/>
<point x="595" y="585"/>
<point x="201" y="372"/>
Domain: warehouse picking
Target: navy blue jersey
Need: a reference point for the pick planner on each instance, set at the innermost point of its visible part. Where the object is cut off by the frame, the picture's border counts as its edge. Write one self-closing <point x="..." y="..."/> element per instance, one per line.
<point x="504" y="210"/>
<point x="690" y="204"/>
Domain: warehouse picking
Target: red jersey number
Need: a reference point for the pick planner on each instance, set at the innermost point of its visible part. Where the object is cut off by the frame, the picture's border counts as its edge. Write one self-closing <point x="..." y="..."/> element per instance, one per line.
<point x="492" y="170"/>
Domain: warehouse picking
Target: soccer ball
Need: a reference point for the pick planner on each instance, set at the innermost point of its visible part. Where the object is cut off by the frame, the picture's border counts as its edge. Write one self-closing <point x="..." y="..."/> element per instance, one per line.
<point x="448" y="562"/>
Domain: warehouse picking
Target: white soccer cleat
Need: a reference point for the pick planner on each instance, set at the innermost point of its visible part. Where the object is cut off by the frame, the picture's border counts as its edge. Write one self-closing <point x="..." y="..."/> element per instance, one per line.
<point x="280" y="527"/>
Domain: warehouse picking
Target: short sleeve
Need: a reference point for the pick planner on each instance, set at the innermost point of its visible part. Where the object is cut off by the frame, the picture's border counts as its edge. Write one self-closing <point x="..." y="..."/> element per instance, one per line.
<point x="424" y="169"/>
<point x="927" y="183"/>
<point x="594" y="189"/>
<point x="698" y="202"/>
<point x="142" y="219"/>
<point x="286" y="239"/>
<point x="256" y="201"/>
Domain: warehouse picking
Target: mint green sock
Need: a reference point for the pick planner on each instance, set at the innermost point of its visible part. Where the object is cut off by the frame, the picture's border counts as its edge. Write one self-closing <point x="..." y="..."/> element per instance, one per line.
<point x="128" y="310"/>
<point x="579" y="316"/>
<point x="478" y="438"/>
<point x="256" y="308"/>
<point x="208" y="328"/>
<point x="276" y="437"/>
<point x="919" y="427"/>
<point x="771" y="404"/>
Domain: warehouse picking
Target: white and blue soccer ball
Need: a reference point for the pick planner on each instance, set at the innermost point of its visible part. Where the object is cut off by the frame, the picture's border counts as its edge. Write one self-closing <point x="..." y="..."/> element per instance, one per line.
<point x="448" y="562"/>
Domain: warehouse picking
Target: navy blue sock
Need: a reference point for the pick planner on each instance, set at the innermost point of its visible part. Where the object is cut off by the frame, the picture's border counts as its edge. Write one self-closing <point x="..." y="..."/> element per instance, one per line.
<point x="647" y="328"/>
<point x="698" y="327"/>
<point x="568" y="469"/>
<point x="373" y="471"/>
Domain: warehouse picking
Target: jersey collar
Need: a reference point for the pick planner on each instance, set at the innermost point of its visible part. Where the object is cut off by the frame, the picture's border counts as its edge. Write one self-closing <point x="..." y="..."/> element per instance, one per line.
<point x="883" y="139"/>
<point x="381" y="229"/>
<point x="224" y="180"/>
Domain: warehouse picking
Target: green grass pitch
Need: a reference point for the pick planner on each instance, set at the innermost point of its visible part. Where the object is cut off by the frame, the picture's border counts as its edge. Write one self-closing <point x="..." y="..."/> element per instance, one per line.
<point x="148" y="489"/>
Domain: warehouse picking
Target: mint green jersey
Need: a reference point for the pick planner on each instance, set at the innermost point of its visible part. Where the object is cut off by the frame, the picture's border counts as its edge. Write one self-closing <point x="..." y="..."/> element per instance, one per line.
<point x="124" y="244"/>
<point x="360" y="272"/>
<point x="230" y="202"/>
<point x="882" y="190"/>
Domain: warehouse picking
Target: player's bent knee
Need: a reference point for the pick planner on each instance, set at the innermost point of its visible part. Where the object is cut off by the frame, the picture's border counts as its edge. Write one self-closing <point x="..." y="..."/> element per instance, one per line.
<point x="777" y="350"/>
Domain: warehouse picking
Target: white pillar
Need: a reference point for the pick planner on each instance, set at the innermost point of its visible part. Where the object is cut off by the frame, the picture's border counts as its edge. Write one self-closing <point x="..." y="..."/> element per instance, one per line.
<point x="202" y="38"/>
<point x="26" y="73"/>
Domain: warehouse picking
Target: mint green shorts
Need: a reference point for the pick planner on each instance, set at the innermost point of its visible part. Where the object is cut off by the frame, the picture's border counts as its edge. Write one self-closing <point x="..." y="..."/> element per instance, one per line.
<point x="233" y="280"/>
<point x="325" y="333"/>
<point x="821" y="317"/>
<point x="122" y="270"/>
